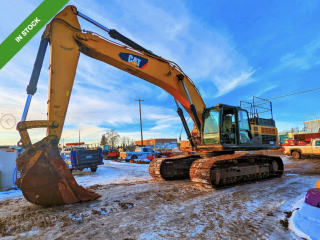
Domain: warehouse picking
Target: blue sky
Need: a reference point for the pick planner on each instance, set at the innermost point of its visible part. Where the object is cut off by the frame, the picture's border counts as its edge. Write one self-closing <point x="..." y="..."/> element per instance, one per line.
<point x="232" y="50"/>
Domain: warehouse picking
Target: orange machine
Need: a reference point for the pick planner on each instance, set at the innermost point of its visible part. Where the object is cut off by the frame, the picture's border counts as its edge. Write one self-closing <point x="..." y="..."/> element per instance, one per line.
<point x="218" y="131"/>
<point x="185" y="146"/>
<point x="113" y="154"/>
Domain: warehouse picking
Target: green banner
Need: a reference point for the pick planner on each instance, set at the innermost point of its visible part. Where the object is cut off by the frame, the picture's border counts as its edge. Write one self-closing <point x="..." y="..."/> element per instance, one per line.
<point x="28" y="28"/>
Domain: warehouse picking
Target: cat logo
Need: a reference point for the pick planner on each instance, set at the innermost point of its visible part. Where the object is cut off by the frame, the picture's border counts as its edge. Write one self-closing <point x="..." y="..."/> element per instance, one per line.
<point x="135" y="60"/>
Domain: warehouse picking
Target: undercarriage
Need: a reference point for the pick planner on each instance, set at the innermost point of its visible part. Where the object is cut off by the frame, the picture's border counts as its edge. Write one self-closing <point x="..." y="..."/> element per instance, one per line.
<point x="219" y="171"/>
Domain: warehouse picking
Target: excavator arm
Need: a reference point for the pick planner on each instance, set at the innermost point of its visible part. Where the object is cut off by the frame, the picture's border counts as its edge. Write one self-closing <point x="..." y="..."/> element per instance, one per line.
<point x="45" y="178"/>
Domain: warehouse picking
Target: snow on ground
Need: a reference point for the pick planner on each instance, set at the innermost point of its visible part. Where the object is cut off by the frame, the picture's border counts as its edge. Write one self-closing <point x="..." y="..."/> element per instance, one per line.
<point x="12" y="194"/>
<point x="30" y="233"/>
<point x="305" y="220"/>
<point x="110" y="172"/>
<point x="287" y="160"/>
<point x="113" y="172"/>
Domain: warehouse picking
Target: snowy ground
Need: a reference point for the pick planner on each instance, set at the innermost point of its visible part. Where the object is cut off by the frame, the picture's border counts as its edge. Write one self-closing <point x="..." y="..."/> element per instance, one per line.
<point x="305" y="220"/>
<point x="12" y="194"/>
<point x="113" y="172"/>
<point x="133" y="206"/>
<point x="110" y="172"/>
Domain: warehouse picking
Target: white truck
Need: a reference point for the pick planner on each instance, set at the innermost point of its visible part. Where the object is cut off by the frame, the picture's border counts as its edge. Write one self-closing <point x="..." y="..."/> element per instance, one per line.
<point x="297" y="151"/>
<point x="140" y="153"/>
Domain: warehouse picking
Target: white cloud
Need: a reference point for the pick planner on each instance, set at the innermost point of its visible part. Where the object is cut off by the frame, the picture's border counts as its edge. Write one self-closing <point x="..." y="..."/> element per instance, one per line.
<point x="162" y="95"/>
<point x="233" y="82"/>
<point x="160" y="127"/>
<point x="303" y="58"/>
<point x="266" y="89"/>
<point x="202" y="92"/>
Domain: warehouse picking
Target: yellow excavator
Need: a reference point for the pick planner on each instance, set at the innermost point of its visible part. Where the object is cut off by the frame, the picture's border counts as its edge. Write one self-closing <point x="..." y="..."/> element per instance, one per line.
<point x="218" y="131"/>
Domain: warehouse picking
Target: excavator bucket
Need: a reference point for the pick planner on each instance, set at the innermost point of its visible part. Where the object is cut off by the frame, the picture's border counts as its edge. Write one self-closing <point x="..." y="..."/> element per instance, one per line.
<point x="45" y="177"/>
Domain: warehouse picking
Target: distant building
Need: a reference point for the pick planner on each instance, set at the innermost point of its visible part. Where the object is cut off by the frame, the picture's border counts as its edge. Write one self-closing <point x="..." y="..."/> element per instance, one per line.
<point x="312" y="126"/>
<point x="158" y="142"/>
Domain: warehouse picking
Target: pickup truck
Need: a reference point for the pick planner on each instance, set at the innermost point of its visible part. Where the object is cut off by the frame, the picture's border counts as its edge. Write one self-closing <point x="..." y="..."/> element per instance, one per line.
<point x="297" y="151"/>
<point x="140" y="153"/>
<point x="80" y="158"/>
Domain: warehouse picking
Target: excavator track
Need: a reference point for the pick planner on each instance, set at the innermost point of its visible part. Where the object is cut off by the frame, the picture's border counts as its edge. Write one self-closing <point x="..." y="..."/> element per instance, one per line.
<point x="172" y="168"/>
<point x="217" y="172"/>
<point x="228" y="170"/>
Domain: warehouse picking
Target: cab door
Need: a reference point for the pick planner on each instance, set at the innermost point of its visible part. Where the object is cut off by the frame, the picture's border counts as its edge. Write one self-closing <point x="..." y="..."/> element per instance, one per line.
<point x="316" y="147"/>
<point x="244" y="129"/>
<point x="211" y="126"/>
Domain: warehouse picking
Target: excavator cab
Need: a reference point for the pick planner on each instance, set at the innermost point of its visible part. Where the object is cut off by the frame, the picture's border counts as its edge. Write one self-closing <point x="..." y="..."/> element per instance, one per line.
<point x="226" y="125"/>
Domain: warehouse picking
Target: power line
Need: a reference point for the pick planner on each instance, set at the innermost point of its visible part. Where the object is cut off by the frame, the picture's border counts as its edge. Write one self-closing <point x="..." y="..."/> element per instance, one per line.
<point x="295" y="93"/>
<point x="288" y="95"/>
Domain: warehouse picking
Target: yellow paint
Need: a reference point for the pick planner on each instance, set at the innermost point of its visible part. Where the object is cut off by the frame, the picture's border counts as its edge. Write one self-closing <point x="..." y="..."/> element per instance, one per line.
<point x="68" y="93"/>
<point x="185" y="146"/>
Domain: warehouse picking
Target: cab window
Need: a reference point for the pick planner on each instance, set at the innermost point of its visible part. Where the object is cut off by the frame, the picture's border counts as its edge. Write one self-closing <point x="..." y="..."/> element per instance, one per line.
<point x="211" y="127"/>
<point x="318" y="143"/>
<point x="244" y="127"/>
<point x="147" y="150"/>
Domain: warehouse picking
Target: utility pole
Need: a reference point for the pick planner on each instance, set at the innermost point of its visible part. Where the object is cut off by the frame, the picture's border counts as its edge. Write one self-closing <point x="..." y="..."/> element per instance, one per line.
<point x="140" y="119"/>
<point x="154" y="137"/>
<point x="79" y="135"/>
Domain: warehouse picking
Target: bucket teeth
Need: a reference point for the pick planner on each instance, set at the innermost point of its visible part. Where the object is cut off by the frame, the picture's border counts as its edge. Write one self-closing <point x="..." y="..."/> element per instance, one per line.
<point x="46" y="179"/>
